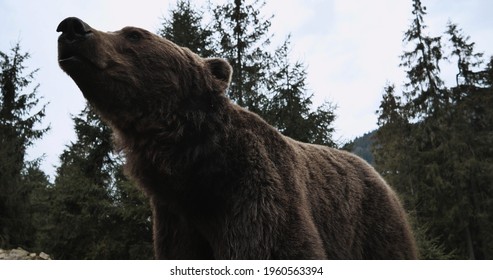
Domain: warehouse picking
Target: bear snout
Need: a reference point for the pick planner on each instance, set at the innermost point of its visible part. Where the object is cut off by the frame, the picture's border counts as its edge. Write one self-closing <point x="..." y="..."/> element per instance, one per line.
<point x="73" y="29"/>
<point x="73" y="44"/>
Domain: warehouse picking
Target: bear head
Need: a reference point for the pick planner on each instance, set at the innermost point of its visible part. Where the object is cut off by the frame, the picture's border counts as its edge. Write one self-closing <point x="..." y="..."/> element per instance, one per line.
<point x="132" y="75"/>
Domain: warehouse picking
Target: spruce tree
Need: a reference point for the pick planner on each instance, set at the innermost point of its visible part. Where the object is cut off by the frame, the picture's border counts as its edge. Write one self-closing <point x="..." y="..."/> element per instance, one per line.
<point x="431" y="145"/>
<point x="185" y="28"/>
<point x="407" y="138"/>
<point x="422" y="64"/>
<point x="467" y="58"/>
<point x="394" y="145"/>
<point x="87" y="213"/>
<point x="20" y="113"/>
<point x="242" y="36"/>
<point x="471" y="128"/>
<point x="39" y="200"/>
<point x="289" y="106"/>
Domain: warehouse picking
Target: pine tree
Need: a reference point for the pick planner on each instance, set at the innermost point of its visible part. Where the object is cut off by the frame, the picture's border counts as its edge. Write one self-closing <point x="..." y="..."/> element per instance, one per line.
<point x="243" y="35"/>
<point x="432" y="145"/>
<point x="87" y="215"/>
<point x="79" y="200"/>
<point x="467" y="59"/>
<point x="17" y="133"/>
<point x="185" y="28"/>
<point x="418" y="144"/>
<point x="471" y="128"/>
<point x="410" y="131"/>
<point x="289" y="106"/>
<point x="396" y="151"/>
<point x="391" y="141"/>
<point x="424" y="86"/>
<point x="39" y="200"/>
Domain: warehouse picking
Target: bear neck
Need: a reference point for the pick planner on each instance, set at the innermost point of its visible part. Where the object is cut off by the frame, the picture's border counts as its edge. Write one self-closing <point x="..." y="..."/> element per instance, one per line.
<point x="175" y="144"/>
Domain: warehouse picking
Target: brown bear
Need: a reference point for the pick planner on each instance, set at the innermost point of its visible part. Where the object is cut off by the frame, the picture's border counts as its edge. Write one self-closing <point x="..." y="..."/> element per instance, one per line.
<point x="222" y="183"/>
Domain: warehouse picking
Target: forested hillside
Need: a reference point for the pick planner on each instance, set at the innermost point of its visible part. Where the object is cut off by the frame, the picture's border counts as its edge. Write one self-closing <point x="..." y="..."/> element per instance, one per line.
<point x="363" y="146"/>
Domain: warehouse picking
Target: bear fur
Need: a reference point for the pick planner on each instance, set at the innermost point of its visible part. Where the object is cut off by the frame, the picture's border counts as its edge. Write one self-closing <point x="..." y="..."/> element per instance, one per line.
<point x="222" y="183"/>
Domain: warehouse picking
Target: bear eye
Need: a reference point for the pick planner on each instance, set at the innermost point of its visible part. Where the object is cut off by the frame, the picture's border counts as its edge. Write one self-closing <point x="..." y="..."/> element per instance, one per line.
<point x="133" y="36"/>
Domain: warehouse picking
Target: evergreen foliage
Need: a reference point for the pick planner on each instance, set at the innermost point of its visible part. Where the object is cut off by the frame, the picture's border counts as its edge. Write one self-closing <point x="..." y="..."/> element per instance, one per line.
<point x="242" y="37"/>
<point x="363" y="146"/>
<point x="288" y="105"/>
<point x="92" y="203"/>
<point x="432" y="143"/>
<point x="20" y="113"/>
<point x="185" y="27"/>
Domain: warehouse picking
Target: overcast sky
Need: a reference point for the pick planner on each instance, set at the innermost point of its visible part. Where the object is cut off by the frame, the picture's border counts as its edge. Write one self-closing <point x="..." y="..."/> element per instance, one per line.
<point x="351" y="49"/>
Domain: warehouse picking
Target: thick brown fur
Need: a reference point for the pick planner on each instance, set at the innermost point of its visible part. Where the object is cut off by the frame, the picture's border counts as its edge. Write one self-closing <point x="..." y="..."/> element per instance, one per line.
<point x="224" y="184"/>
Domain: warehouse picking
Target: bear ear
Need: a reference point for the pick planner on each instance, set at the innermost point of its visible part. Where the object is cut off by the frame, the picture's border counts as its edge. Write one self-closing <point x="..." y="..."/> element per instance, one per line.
<point x="220" y="69"/>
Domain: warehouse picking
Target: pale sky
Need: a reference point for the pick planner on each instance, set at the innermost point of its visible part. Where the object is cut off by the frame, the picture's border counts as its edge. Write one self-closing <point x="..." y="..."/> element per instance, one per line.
<point x="351" y="49"/>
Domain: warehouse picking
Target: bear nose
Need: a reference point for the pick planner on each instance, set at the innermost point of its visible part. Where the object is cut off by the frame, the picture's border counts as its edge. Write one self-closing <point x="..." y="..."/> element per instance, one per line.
<point x="73" y="29"/>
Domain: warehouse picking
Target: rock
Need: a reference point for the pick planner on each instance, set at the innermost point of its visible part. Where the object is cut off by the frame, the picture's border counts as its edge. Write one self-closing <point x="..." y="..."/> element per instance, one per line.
<point x="21" y="254"/>
<point x="44" y="256"/>
<point x="18" y="254"/>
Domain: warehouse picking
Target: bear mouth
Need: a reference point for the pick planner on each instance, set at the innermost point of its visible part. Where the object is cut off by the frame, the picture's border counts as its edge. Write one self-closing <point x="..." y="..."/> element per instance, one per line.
<point x="69" y="58"/>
